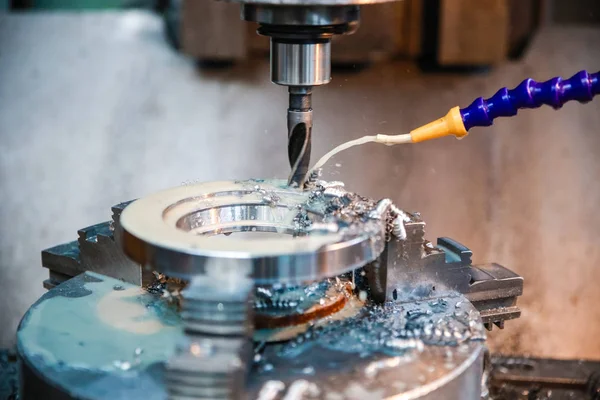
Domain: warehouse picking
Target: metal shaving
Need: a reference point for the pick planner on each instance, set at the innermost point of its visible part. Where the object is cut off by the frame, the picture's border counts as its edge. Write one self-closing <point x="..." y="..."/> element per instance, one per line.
<point x="167" y="287"/>
<point x="350" y="207"/>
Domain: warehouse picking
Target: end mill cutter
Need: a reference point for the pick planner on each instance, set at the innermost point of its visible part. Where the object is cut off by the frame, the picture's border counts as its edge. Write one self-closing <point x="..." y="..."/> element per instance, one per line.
<point x="299" y="123"/>
<point x="301" y="33"/>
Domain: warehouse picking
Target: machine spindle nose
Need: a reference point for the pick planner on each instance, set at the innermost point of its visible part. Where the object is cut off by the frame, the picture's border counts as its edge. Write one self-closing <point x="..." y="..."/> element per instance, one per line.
<point x="300" y="64"/>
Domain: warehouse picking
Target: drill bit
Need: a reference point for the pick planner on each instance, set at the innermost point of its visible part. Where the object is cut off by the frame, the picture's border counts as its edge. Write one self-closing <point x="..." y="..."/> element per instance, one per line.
<point x="299" y="121"/>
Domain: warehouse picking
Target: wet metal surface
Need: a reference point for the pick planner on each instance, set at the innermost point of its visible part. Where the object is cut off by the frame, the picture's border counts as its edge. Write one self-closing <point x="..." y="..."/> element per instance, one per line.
<point x="97" y="337"/>
<point x="95" y="109"/>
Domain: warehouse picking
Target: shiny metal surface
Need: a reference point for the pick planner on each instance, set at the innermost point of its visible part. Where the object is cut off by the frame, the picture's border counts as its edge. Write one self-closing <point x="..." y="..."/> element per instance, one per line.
<point x="178" y="232"/>
<point x="412" y="267"/>
<point x="300" y="16"/>
<point x="421" y="282"/>
<point x="299" y="64"/>
<point x="300" y="59"/>
<point x="299" y="124"/>
<point x="97" y="249"/>
<point x="415" y="267"/>
<point x="95" y="337"/>
<point x="217" y="317"/>
<point x="389" y="352"/>
<point x="491" y="288"/>
<point x="431" y="341"/>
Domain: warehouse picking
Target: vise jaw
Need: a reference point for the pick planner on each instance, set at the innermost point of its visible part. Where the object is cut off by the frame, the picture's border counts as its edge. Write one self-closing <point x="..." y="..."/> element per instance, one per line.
<point x="413" y="268"/>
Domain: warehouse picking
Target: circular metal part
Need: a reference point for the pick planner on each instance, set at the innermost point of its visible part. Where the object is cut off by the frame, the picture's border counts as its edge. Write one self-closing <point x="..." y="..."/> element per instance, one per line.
<point x="181" y="232"/>
<point x="300" y="64"/>
<point x="302" y="16"/>
<point x="216" y="307"/>
<point x="87" y="340"/>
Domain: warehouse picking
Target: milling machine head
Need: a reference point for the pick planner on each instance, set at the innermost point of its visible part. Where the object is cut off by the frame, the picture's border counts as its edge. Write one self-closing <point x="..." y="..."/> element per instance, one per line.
<point x="301" y="33"/>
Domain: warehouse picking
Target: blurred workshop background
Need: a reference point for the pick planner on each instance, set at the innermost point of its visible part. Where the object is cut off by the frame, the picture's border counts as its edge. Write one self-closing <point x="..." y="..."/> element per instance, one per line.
<point x="103" y="101"/>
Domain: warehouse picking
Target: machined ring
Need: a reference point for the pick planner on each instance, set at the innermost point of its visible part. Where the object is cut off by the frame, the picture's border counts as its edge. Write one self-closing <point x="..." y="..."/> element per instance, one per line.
<point x="183" y="231"/>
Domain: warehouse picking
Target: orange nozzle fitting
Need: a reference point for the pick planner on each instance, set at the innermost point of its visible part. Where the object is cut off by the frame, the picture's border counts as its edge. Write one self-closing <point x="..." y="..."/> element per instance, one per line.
<point x="450" y="124"/>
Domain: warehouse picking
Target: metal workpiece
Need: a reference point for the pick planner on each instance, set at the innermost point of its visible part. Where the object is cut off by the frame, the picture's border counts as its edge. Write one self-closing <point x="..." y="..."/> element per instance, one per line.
<point x="300" y="64"/>
<point x="179" y="232"/>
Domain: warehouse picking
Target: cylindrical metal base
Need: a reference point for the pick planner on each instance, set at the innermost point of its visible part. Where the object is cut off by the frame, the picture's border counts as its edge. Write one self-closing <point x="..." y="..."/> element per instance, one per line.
<point x="300" y="64"/>
<point x="95" y="337"/>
